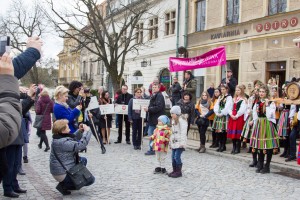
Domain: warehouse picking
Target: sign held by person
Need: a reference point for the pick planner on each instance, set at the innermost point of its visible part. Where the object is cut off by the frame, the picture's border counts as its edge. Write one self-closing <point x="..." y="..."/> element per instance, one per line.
<point x="121" y="109"/>
<point x="107" y="109"/>
<point x="138" y="103"/>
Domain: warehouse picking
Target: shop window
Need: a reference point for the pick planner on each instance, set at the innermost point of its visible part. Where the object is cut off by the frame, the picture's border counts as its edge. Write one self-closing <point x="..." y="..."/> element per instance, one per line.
<point x="170" y="20"/>
<point x="233" y="11"/>
<point x="277" y="6"/>
<point x="201" y="15"/>
<point x="153" y="28"/>
<point x="277" y="71"/>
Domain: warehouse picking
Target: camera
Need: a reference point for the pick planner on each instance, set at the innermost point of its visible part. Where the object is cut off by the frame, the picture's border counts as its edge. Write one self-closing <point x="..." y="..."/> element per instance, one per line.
<point x="87" y="90"/>
<point x="4" y="44"/>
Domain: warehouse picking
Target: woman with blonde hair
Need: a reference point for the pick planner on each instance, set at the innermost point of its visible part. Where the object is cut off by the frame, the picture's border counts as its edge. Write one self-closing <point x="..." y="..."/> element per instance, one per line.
<point x="237" y="118"/>
<point x="61" y="109"/>
<point x="202" y="121"/>
<point x="44" y="106"/>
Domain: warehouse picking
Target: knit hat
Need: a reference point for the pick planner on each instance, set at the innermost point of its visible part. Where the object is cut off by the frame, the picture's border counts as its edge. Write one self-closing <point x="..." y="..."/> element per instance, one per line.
<point x="164" y="119"/>
<point x="175" y="110"/>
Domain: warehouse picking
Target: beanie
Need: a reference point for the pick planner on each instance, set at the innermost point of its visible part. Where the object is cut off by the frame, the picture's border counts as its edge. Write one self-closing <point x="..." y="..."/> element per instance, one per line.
<point x="175" y="110"/>
<point x="164" y="119"/>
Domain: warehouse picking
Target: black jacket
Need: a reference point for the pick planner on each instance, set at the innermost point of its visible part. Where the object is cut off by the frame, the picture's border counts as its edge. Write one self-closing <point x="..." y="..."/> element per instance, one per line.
<point x="156" y="108"/>
<point x="232" y="84"/>
<point x="124" y="99"/>
<point x="176" y="90"/>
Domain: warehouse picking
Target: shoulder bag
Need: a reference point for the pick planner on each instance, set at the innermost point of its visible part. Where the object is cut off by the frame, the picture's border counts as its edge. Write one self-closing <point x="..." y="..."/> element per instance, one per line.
<point x="39" y="119"/>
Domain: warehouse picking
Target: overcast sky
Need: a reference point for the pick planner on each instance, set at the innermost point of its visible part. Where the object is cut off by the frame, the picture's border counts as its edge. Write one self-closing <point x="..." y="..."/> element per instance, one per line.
<point x="52" y="43"/>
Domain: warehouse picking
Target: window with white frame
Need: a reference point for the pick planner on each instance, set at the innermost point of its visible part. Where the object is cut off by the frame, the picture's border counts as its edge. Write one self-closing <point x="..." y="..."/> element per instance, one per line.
<point x="233" y="11"/>
<point x="201" y="15"/>
<point x="153" y="28"/>
<point x="170" y="21"/>
<point x="139" y="33"/>
<point x="277" y="6"/>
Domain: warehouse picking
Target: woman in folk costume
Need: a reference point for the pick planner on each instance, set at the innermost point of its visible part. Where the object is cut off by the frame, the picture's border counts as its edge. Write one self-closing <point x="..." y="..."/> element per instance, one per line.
<point x="237" y="118"/>
<point x="247" y="129"/>
<point x="221" y="109"/>
<point x="264" y="136"/>
<point x="217" y="93"/>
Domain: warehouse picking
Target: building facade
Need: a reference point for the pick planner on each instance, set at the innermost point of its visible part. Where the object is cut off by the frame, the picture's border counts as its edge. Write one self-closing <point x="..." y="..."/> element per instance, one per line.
<point x="258" y="36"/>
<point x="69" y="62"/>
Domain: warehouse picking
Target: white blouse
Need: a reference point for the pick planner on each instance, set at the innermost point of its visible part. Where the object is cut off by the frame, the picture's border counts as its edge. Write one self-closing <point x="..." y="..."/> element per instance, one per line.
<point x="228" y="106"/>
<point x="242" y="110"/>
<point x="270" y="112"/>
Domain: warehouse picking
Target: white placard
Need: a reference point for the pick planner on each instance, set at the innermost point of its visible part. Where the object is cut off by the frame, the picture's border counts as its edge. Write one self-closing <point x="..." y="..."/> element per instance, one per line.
<point x="107" y="109"/>
<point x="93" y="103"/>
<point x="143" y="112"/>
<point x="121" y="109"/>
<point x="136" y="79"/>
<point x="199" y="72"/>
<point x="138" y="103"/>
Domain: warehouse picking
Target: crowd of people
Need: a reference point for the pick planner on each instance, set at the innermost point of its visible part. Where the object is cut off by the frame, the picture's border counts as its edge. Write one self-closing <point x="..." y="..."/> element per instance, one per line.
<point x="259" y="118"/>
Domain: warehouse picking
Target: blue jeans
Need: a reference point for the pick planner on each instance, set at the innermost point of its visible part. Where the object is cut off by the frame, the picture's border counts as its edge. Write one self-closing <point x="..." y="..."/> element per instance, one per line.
<point x="68" y="183"/>
<point x="14" y="159"/>
<point x="293" y="145"/>
<point x="176" y="156"/>
<point x="150" y="133"/>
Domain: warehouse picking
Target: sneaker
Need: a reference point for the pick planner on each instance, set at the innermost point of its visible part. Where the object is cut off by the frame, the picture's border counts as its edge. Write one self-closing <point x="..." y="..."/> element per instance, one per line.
<point x="25" y="159"/>
<point x="149" y="153"/>
<point x="40" y="146"/>
<point x="47" y="149"/>
<point x="157" y="170"/>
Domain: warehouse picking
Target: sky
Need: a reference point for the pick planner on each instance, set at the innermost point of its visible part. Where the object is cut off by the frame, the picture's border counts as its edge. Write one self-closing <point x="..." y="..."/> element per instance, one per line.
<point x="52" y="44"/>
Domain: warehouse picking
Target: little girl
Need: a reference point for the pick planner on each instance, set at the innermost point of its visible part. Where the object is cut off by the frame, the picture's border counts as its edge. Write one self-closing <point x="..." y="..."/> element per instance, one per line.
<point x="160" y="137"/>
<point x="178" y="139"/>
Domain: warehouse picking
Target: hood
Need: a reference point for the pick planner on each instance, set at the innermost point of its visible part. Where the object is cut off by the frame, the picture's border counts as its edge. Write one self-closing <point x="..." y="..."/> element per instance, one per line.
<point x="45" y="99"/>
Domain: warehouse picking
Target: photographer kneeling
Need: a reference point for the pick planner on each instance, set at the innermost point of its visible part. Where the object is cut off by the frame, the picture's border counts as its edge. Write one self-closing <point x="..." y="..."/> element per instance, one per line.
<point x="64" y="154"/>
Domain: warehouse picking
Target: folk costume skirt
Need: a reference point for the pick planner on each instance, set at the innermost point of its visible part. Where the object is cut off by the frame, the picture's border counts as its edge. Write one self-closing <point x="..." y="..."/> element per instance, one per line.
<point x="220" y="124"/>
<point x="235" y="127"/>
<point x="264" y="135"/>
<point x="283" y="126"/>
<point x="247" y="129"/>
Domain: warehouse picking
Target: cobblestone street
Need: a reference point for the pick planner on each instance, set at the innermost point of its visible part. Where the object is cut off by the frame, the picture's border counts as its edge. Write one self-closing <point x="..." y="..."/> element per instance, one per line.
<point x="124" y="173"/>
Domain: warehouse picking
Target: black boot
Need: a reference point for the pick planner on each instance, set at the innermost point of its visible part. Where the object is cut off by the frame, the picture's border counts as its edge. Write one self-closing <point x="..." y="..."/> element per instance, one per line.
<point x="254" y="160"/>
<point x="25" y="159"/>
<point x="261" y="158"/>
<point x="214" y="140"/>
<point x="249" y="150"/>
<point x="266" y="168"/>
<point x="174" y="169"/>
<point x="238" y="147"/>
<point x="233" y="146"/>
<point x="103" y="149"/>
<point x="62" y="190"/>
<point x="224" y="140"/>
<point x="219" y="136"/>
<point x="157" y="170"/>
<point x="284" y="143"/>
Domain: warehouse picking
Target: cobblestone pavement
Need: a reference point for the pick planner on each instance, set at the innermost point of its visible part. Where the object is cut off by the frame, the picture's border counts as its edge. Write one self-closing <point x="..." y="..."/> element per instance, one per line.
<point x="124" y="173"/>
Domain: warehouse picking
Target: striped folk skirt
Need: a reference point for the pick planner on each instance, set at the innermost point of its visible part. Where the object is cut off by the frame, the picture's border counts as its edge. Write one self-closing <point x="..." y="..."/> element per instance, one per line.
<point x="247" y="129"/>
<point x="283" y="125"/>
<point x="264" y="135"/>
<point x="220" y="124"/>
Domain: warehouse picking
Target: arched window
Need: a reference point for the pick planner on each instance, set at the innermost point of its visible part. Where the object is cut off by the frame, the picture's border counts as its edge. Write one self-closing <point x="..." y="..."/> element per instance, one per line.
<point x="134" y="86"/>
<point x="165" y="78"/>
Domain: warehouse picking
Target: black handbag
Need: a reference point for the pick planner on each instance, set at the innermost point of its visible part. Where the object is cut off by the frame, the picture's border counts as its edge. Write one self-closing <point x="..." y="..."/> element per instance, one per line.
<point x="39" y="119"/>
<point x="79" y="174"/>
<point x="202" y="121"/>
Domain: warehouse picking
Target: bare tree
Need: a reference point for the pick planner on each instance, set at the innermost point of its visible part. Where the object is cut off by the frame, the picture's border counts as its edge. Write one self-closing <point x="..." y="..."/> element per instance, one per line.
<point x="107" y="30"/>
<point x="20" y="22"/>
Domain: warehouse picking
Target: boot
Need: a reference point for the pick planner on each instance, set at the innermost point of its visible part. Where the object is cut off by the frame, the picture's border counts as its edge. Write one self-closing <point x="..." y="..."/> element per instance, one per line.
<point x="266" y="168"/>
<point x="203" y="149"/>
<point x="62" y="190"/>
<point x="178" y="172"/>
<point x="25" y="159"/>
<point x="217" y="141"/>
<point x="174" y="169"/>
<point x="284" y="153"/>
<point x="254" y="160"/>
<point x="225" y="140"/>
<point x="244" y="145"/>
<point x="214" y="140"/>
<point x="238" y="147"/>
<point x="249" y="150"/>
<point x="233" y="146"/>
<point x="157" y="170"/>
<point x="261" y="158"/>
<point x="220" y="139"/>
<point x="103" y="150"/>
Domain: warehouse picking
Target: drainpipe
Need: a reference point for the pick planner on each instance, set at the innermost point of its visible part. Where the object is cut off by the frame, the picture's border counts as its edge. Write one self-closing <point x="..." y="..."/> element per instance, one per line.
<point x="177" y="34"/>
<point x="186" y="22"/>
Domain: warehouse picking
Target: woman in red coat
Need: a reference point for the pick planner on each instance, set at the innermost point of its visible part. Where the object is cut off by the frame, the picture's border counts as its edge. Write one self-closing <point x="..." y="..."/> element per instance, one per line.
<point x="44" y="106"/>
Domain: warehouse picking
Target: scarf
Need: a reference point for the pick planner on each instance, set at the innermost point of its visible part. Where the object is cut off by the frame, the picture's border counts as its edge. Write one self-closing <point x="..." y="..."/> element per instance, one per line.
<point x="63" y="104"/>
<point x="205" y="104"/>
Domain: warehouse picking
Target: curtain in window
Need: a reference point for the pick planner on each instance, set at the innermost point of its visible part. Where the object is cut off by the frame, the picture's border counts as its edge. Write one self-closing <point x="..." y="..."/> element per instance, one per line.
<point x="229" y="11"/>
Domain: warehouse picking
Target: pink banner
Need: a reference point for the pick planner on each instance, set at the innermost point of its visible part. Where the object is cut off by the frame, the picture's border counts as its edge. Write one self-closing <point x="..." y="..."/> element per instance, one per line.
<point x="215" y="57"/>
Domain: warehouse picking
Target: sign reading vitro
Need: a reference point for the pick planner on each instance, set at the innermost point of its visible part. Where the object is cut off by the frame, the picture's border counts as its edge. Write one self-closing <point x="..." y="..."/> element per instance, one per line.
<point x="293" y="22"/>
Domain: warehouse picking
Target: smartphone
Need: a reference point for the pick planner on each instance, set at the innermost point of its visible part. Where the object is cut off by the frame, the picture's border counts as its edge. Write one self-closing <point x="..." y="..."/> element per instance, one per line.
<point x="4" y="44"/>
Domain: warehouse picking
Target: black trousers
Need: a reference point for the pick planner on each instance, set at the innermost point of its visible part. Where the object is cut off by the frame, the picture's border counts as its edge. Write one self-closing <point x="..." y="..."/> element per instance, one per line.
<point x="3" y="163"/>
<point x="43" y="138"/>
<point x="202" y="131"/>
<point x="127" y="128"/>
<point x="137" y="132"/>
<point x="293" y="145"/>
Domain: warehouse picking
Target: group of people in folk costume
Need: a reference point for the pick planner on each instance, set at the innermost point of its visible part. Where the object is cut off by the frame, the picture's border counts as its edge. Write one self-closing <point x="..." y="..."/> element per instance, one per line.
<point x="259" y="119"/>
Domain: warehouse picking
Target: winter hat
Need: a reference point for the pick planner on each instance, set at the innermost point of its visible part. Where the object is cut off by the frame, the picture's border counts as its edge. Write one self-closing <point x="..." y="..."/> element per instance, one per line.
<point x="164" y="119"/>
<point x="175" y="110"/>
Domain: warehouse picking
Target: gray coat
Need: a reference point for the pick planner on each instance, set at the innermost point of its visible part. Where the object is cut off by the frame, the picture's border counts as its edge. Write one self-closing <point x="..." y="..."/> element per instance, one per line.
<point x="67" y="147"/>
<point x="10" y="110"/>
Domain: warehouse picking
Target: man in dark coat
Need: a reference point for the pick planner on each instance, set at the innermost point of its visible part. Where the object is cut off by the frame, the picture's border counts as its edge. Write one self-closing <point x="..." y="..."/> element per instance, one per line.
<point x="230" y="81"/>
<point x="190" y="85"/>
<point x="175" y="91"/>
<point x="124" y="99"/>
<point x="155" y="109"/>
